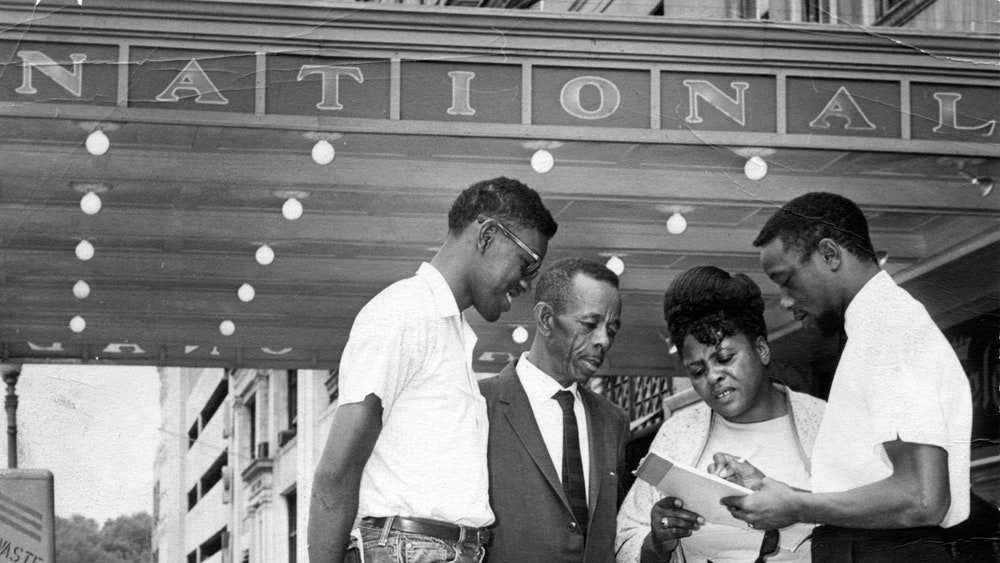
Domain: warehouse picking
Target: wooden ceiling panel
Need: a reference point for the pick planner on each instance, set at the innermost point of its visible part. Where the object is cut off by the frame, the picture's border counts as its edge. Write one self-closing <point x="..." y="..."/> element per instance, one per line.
<point x="189" y="205"/>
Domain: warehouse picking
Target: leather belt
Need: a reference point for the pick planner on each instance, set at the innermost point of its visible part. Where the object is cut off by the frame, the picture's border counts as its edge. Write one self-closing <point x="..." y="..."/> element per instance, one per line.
<point x="434" y="528"/>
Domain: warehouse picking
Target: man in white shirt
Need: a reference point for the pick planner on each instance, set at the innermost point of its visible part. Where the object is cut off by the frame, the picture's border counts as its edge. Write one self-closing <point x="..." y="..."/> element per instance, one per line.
<point x="890" y="466"/>
<point x="557" y="449"/>
<point x="405" y="459"/>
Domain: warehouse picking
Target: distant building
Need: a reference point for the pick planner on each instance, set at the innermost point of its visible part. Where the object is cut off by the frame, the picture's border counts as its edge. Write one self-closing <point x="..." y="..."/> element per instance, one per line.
<point x="234" y="470"/>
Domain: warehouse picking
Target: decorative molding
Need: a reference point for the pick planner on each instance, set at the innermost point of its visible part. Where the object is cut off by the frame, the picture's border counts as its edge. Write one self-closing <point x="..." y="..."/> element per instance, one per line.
<point x="350" y="26"/>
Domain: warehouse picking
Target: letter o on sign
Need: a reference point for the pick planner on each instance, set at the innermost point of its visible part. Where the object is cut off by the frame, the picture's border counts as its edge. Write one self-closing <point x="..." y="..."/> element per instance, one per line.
<point x="610" y="97"/>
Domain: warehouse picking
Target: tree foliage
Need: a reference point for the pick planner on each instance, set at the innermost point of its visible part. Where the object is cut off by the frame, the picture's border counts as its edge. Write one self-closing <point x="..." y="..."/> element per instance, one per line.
<point x="126" y="539"/>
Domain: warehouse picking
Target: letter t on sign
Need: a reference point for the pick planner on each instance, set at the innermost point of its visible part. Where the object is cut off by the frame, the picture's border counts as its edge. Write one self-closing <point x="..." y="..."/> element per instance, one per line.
<point x="331" y="82"/>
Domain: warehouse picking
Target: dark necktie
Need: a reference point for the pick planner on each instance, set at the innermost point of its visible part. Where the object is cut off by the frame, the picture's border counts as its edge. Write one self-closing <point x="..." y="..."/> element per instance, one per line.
<point x="572" y="465"/>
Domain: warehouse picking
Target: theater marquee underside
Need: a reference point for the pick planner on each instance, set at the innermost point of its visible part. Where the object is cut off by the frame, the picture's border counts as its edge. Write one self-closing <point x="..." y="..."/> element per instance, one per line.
<point x="211" y="117"/>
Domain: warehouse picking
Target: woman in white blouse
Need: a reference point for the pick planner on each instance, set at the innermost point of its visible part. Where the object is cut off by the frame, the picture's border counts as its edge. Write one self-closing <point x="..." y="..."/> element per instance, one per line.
<point x="717" y="322"/>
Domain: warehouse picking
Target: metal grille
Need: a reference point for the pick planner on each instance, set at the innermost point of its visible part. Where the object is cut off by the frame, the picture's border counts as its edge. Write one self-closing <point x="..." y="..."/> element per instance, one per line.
<point x="640" y="396"/>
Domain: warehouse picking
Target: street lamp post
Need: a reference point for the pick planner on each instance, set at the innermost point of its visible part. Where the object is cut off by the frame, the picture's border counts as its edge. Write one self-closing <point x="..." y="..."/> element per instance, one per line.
<point x="10" y="374"/>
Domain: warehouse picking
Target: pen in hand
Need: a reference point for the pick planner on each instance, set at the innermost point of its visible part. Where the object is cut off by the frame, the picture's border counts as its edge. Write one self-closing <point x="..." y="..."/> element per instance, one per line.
<point x="742" y="459"/>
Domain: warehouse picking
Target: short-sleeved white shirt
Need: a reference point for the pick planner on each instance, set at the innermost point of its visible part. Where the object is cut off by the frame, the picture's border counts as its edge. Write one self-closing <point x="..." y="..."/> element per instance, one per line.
<point x="898" y="377"/>
<point x="412" y="348"/>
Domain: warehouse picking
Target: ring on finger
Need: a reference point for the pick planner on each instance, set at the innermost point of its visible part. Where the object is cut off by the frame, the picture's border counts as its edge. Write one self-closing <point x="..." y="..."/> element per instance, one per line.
<point x="750" y="524"/>
<point x="665" y="521"/>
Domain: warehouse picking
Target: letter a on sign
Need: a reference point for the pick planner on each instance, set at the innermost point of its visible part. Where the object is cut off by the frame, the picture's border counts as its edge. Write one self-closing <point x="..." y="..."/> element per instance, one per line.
<point x="193" y="79"/>
<point x="842" y="105"/>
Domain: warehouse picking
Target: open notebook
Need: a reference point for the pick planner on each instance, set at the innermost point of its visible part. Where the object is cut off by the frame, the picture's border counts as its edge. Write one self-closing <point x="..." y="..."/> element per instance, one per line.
<point x="700" y="490"/>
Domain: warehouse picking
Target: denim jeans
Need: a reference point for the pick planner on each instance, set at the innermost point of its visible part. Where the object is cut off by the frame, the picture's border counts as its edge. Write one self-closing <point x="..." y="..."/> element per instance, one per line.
<point x="405" y="547"/>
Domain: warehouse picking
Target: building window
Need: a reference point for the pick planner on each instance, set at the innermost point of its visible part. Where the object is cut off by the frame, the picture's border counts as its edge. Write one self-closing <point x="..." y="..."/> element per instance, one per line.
<point x="156" y="503"/>
<point x="816" y="11"/>
<point x="212" y="476"/>
<point x="214" y="473"/>
<point x="215" y="401"/>
<point x="883" y="7"/>
<point x="333" y="385"/>
<point x="291" y="407"/>
<point x="251" y="409"/>
<point x="291" y="500"/>
<point x="193" y="434"/>
<point x="213" y="404"/>
<point x="212" y="545"/>
<point x="293" y="399"/>
<point x="754" y="9"/>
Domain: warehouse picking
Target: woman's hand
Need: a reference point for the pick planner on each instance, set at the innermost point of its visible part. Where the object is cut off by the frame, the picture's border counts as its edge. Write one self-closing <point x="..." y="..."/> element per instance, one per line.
<point x="668" y="523"/>
<point x="737" y="470"/>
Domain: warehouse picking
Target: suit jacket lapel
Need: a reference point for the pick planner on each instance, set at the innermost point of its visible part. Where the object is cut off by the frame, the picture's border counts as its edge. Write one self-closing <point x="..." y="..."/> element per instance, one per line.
<point x="598" y="446"/>
<point x="521" y="418"/>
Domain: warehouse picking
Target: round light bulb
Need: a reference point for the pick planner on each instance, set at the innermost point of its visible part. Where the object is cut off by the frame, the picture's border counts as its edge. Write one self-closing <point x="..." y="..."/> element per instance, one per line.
<point x="84" y="250"/>
<point x="542" y="161"/>
<point x="81" y="289"/>
<point x="616" y="265"/>
<point x="265" y="255"/>
<point x="246" y="293"/>
<point x="90" y="203"/>
<point x="676" y="224"/>
<point x="97" y="143"/>
<point x="520" y="334"/>
<point x="77" y="324"/>
<point x="323" y="152"/>
<point x="227" y="328"/>
<point x="292" y="209"/>
<point x="755" y="168"/>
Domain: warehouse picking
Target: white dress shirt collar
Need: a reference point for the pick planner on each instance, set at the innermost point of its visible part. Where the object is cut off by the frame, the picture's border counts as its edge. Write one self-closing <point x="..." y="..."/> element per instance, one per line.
<point x="444" y="298"/>
<point x="539" y="385"/>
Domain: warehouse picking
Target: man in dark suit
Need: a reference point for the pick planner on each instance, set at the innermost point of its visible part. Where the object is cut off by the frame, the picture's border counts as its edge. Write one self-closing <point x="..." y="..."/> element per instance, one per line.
<point x="556" y="448"/>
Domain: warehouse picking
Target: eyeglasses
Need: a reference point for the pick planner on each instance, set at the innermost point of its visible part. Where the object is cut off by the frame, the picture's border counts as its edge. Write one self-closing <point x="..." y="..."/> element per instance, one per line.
<point x="531" y="269"/>
<point x="769" y="545"/>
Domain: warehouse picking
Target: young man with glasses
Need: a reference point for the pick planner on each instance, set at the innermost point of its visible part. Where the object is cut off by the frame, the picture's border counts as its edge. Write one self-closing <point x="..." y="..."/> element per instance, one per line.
<point x="405" y="459"/>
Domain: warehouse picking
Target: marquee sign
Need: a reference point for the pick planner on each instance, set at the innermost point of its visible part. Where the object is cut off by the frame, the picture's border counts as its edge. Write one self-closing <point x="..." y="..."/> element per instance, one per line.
<point x="657" y="97"/>
<point x="608" y="98"/>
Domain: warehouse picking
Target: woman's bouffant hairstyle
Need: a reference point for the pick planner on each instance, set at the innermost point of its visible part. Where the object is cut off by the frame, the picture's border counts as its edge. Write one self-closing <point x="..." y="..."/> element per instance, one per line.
<point x="710" y="304"/>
